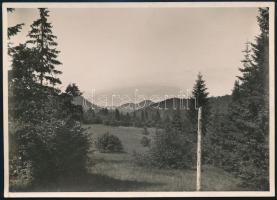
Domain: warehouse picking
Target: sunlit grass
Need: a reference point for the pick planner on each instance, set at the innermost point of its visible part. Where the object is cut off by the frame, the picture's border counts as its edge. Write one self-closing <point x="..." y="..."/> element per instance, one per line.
<point x="120" y="166"/>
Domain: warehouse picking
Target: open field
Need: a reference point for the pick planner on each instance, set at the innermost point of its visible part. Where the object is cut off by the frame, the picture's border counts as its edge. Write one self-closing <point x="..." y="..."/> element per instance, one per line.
<point x="117" y="172"/>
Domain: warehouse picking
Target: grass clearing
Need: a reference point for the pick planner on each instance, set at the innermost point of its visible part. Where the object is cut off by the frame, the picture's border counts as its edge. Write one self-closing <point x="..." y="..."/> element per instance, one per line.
<point x="127" y="176"/>
<point x="108" y="172"/>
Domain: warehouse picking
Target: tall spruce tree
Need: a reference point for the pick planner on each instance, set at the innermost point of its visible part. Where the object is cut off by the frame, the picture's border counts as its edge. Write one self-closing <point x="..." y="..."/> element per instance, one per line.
<point x="146" y="115"/>
<point x="142" y="116"/>
<point x="249" y="72"/>
<point x="117" y="115"/>
<point x="248" y="114"/>
<point x="49" y="144"/>
<point x="199" y="99"/>
<point x="157" y="116"/>
<point x="43" y="41"/>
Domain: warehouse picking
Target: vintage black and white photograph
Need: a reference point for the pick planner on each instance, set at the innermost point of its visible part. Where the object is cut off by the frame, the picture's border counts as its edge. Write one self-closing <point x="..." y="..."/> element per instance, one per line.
<point x="139" y="99"/>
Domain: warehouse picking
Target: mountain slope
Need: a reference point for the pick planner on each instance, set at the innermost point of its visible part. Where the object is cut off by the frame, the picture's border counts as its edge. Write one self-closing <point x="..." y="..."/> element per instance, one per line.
<point x="130" y="107"/>
<point x="86" y="104"/>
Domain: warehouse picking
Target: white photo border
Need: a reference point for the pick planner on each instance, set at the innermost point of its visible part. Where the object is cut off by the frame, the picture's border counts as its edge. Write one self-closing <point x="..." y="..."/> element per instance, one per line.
<point x="269" y="193"/>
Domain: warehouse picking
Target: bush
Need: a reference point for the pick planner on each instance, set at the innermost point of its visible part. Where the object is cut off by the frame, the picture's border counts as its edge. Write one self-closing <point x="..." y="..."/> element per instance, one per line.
<point x="59" y="150"/>
<point x="71" y="148"/>
<point x="170" y="149"/>
<point x="145" y="141"/>
<point x="108" y="143"/>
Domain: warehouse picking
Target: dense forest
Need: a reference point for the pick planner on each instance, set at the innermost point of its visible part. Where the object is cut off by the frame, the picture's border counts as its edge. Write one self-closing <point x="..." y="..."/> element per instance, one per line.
<point x="49" y="143"/>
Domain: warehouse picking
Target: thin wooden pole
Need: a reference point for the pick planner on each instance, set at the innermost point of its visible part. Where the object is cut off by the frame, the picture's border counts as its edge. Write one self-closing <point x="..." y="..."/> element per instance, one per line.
<point x="199" y="133"/>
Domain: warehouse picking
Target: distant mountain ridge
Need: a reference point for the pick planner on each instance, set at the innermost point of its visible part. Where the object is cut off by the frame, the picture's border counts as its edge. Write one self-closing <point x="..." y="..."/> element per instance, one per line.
<point x="86" y="104"/>
<point x="130" y="107"/>
<point x="218" y="104"/>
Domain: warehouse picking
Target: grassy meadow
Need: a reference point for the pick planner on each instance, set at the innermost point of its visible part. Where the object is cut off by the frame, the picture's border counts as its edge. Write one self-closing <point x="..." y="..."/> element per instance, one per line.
<point x="118" y="172"/>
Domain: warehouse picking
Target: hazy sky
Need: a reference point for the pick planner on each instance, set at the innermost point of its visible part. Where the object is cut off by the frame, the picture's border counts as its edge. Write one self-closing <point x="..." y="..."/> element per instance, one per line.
<point x="116" y="48"/>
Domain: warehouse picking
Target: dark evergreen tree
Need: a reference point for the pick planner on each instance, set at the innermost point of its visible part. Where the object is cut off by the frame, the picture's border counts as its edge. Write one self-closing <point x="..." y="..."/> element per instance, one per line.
<point x="73" y="90"/>
<point x="50" y="144"/>
<point x="142" y="116"/>
<point x="199" y="99"/>
<point x="117" y="115"/>
<point x="134" y="115"/>
<point x="146" y="115"/>
<point x="157" y="116"/>
<point x="22" y="86"/>
<point x="249" y="114"/>
<point x="75" y="111"/>
<point x="43" y="40"/>
<point x="128" y="117"/>
<point x="249" y="73"/>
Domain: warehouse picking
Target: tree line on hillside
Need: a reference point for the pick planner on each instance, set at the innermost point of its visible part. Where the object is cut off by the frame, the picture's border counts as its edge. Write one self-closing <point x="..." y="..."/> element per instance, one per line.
<point x="138" y="118"/>
<point x="154" y="115"/>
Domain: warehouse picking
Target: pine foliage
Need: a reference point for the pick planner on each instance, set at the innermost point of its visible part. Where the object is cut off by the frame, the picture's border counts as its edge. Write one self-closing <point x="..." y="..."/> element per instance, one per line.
<point x="50" y="142"/>
<point x="13" y="30"/>
<point x="248" y="118"/>
<point x="43" y="40"/>
<point x="199" y="99"/>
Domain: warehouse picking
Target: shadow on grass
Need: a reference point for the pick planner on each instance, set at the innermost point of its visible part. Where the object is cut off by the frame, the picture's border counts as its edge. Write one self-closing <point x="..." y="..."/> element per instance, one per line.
<point x="88" y="183"/>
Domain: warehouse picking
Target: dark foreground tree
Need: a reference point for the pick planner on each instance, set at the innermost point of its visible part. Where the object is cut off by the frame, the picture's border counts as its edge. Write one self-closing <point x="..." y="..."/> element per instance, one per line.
<point x="199" y="99"/>
<point x="49" y="142"/>
<point x="43" y="40"/>
<point x="249" y="115"/>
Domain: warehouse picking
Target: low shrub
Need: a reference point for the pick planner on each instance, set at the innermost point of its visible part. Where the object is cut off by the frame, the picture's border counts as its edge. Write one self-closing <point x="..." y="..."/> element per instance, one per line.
<point x="58" y="151"/>
<point x="145" y="141"/>
<point x="108" y="143"/>
<point x="170" y="149"/>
